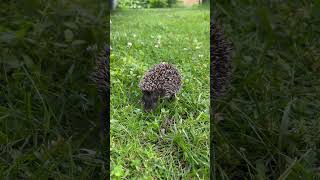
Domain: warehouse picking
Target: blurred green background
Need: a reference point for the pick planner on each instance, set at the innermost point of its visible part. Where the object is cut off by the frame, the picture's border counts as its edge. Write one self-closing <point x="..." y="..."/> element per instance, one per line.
<point x="268" y="126"/>
<point x="48" y="109"/>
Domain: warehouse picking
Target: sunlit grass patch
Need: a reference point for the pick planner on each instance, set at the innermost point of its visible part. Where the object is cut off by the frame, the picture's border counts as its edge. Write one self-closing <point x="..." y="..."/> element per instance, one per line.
<point x="173" y="141"/>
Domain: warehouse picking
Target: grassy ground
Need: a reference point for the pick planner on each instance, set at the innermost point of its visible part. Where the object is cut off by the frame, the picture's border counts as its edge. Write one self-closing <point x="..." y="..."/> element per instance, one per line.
<point x="171" y="142"/>
<point x="270" y="126"/>
<point x="48" y="112"/>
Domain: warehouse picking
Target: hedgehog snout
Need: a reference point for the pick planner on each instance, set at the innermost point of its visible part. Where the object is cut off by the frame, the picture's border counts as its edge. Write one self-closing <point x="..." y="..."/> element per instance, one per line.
<point x="150" y="101"/>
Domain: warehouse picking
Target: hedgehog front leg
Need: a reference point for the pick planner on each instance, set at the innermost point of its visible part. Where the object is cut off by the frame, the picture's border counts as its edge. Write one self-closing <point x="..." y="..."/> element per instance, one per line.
<point x="172" y="97"/>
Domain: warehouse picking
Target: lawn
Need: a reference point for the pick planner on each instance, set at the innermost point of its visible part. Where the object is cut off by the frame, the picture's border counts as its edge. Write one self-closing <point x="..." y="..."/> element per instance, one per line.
<point x="269" y="122"/>
<point x="173" y="141"/>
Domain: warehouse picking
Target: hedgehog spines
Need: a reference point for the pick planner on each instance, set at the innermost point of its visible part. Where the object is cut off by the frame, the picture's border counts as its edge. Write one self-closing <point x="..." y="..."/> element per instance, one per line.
<point x="100" y="75"/>
<point x="163" y="80"/>
<point x="220" y="66"/>
<point x="162" y="76"/>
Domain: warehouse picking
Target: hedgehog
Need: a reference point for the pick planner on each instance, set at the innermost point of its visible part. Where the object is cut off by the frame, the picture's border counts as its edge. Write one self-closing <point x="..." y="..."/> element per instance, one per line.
<point x="220" y="63"/>
<point x="220" y="71"/>
<point x="101" y="77"/>
<point x="163" y="80"/>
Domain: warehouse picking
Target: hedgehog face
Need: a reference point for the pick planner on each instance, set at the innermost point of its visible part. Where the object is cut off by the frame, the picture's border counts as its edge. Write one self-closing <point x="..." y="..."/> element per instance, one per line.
<point x="150" y="100"/>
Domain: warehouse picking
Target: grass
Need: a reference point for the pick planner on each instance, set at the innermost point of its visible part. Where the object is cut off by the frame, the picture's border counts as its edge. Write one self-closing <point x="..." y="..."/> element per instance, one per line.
<point x="269" y="126"/>
<point x="48" y="112"/>
<point x="172" y="142"/>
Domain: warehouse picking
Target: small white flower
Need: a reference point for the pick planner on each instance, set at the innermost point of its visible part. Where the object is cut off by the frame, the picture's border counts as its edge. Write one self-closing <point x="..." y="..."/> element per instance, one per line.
<point x="158" y="44"/>
<point x="110" y="21"/>
<point x="200" y="55"/>
<point x="197" y="47"/>
<point x="129" y="44"/>
<point x="185" y="49"/>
